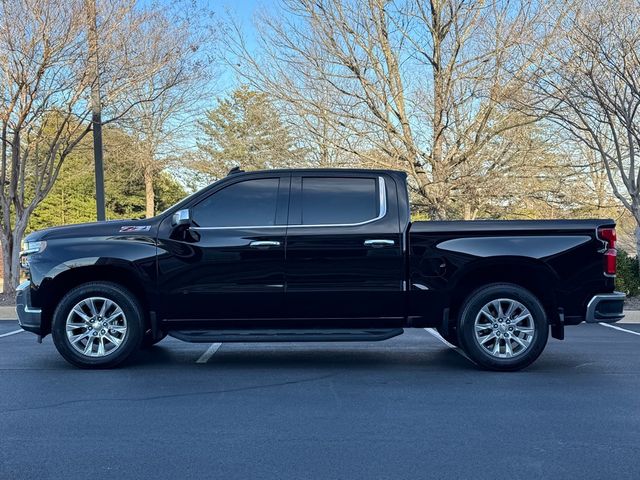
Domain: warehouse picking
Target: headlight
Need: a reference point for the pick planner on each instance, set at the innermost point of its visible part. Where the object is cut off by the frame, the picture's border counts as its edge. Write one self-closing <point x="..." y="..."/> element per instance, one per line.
<point x="29" y="248"/>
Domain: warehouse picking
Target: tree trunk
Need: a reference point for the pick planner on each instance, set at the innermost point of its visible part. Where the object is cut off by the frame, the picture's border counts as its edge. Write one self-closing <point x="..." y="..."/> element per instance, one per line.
<point x="11" y="258"/>
<point x="149" y="193"/>
<point x="467" y="211"/>
<point x="6" y="266"/>
<point x="638" y="242"/>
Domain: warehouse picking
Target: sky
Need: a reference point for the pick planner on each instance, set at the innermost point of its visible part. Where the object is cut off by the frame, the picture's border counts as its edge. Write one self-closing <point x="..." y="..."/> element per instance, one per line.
<point x="242" y="11"/>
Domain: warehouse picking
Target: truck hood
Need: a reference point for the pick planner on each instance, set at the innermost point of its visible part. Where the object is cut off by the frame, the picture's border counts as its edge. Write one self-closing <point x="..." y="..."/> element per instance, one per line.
<point x="96" y="229"/>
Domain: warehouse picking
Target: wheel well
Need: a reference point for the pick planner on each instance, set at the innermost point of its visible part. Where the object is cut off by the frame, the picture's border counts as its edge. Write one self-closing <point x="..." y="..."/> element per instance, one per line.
<point x="538" y="279"/>
<point x="57" y="287"/>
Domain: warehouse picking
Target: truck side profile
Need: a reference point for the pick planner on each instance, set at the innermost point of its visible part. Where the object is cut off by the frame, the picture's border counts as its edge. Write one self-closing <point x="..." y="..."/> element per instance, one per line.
<point x="314" y="255"/>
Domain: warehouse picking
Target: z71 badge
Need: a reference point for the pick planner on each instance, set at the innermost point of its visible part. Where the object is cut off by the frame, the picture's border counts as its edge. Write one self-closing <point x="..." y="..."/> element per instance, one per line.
<point x="136" y="228"/>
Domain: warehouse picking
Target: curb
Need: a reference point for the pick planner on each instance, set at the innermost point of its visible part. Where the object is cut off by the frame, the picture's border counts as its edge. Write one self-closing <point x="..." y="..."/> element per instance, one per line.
<point x="631" y="316"/>
<point x="8" y="313"/>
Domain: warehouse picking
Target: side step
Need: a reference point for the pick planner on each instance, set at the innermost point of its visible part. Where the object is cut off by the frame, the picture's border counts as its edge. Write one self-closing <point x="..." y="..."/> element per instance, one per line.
<point x="288" y="335"/>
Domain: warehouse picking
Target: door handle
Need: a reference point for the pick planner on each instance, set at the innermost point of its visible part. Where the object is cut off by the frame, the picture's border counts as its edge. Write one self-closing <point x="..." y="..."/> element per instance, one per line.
<point x="377" y="243"/>
<point x="264" y="244"/>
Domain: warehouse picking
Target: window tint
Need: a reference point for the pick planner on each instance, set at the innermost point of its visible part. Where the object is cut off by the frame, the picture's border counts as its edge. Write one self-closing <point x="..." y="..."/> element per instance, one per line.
<point x="248" y="203"/>
<point x="338" y="200"/>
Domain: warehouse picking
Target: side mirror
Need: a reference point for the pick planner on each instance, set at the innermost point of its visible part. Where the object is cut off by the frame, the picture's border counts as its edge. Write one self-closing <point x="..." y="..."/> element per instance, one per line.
<point x="181" y="217"/>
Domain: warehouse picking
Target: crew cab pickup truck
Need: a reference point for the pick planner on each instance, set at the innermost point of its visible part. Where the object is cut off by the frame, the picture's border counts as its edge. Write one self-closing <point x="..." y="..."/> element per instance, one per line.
<point x="314" y="255"/>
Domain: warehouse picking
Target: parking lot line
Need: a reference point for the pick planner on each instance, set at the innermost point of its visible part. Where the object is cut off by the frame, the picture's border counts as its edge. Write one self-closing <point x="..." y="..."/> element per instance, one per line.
<point x="213" y="348"/>
<point x="11" y="333"/>
<point x="619" y="328"/>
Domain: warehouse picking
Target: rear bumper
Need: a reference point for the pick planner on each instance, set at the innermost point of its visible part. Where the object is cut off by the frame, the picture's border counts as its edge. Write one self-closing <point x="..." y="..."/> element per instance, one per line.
<point x="29" y="318"/>
<point x="606" y="308"/>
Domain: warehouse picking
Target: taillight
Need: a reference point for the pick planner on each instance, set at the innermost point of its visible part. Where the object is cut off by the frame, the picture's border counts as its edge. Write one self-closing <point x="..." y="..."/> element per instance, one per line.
<point x="608" y="235"/>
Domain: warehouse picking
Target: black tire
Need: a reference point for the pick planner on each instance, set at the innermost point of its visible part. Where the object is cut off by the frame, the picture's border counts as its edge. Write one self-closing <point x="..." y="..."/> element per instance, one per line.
<point x="450" y="336"/>
<point x="148" y="341"/>
<point x="131" y="339"/>
<point x="471" y="345"/>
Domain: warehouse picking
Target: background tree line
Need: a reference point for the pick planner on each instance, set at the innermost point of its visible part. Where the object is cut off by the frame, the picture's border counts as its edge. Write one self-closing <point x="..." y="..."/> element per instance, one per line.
<point x="494" y="108"/>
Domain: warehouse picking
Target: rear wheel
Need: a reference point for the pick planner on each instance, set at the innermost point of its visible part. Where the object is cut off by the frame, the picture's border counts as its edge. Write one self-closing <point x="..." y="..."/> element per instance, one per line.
<point x="503" y="327"/>
<point x="97" y="325"/>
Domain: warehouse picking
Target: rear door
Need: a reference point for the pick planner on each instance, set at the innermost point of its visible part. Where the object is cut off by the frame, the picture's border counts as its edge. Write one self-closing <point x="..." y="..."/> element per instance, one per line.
<point x="344" y="262"/>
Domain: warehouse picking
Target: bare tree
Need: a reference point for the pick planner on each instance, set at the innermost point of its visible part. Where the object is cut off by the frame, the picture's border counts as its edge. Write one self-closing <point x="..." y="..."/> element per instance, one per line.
<point x="45" y="91"/>
<point x="593" y="90"/>
<point x="164" y="126"/>
<point x="427" y="86"/>
<point x="43" y="86"/>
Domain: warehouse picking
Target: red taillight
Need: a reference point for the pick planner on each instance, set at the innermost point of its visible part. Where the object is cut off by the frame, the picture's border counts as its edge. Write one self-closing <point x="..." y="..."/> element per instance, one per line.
<point x="608" y="235"/>
<point x="610" y="261"/>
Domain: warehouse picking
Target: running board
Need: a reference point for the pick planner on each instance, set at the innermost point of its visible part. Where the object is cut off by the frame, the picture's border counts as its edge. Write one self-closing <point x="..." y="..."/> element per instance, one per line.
<point x="288" y="335"/>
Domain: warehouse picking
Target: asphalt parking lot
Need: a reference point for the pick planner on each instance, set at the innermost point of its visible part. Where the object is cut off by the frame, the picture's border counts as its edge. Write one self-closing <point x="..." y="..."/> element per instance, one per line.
<point x="409" y="407"/>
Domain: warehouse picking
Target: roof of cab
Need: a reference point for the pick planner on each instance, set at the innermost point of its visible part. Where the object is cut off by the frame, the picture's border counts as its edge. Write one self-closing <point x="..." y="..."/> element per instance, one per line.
<point x="329" y="171"/>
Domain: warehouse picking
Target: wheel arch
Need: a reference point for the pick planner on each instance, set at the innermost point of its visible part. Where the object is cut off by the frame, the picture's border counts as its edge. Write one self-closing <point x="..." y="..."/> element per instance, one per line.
<point x="531" y="274"/>
<point x="54" y="288"/>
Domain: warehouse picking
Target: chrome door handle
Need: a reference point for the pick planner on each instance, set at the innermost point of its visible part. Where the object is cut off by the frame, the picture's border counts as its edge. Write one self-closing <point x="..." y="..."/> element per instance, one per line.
<point x="264" y="244"/>
<point x="376" y="243"/>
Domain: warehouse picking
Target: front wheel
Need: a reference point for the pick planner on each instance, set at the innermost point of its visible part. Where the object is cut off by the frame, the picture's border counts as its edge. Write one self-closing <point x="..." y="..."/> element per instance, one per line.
<point x="503" y="327"/>
<point x="97" y="325"/>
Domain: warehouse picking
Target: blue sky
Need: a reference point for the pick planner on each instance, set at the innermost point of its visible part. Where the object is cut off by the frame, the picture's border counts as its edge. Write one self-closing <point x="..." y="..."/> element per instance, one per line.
<point x="243" y="11"/>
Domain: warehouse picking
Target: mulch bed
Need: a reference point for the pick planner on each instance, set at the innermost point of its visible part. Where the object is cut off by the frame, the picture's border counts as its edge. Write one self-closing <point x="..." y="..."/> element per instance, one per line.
<point x="7" y="300"/>
<point x="632" y="303"/>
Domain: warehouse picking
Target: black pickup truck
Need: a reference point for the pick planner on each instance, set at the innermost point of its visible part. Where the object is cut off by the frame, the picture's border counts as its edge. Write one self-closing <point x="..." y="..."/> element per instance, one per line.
<point x="314" y="255"/>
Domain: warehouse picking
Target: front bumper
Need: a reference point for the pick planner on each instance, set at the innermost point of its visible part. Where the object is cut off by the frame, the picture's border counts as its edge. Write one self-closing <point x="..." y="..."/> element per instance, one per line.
<point x="606" y="308"/>
<point x="29" y="318"/>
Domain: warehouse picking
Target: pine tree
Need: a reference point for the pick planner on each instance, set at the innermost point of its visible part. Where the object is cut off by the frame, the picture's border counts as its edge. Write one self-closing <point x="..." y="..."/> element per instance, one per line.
<point x="246" y="130"/>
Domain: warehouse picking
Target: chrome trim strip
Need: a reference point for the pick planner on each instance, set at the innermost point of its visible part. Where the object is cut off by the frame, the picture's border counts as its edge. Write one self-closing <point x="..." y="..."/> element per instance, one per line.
<point x="593" y="304"/>
<point x="32" y="310"/>
<point x="239" y="227"/>
<point x="382" y="214"/>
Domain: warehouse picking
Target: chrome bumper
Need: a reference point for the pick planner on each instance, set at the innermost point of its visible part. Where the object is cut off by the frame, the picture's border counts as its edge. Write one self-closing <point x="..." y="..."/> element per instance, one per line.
<point x="29" y="318"/>
<point x="606" y="308"/>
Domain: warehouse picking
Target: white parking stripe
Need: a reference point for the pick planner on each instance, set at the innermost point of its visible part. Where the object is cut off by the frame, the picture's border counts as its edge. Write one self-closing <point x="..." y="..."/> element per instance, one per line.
<point x="435" y="333"/>
<point x="11" y="333"/>
<point x="213" y="348"/>
<point x="618" y="328"/>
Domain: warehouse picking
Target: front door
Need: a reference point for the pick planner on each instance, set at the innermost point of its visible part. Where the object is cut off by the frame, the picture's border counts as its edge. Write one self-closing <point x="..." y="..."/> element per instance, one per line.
<point x="229" y="264"/>
<point x="344" y="251"/>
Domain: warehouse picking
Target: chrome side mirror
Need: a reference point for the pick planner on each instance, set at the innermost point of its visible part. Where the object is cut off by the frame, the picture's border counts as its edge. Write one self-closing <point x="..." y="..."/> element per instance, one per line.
<point x="181" y="217"/>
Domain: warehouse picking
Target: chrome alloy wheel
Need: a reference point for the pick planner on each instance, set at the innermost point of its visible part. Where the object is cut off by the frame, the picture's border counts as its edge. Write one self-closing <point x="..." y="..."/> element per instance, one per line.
<point x="504" y="328"/>
<point x="96" y="327"/>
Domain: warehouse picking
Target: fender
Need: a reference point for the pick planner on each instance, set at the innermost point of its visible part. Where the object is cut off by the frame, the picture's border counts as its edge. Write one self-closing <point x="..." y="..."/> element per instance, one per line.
<point x="127" y="260"/>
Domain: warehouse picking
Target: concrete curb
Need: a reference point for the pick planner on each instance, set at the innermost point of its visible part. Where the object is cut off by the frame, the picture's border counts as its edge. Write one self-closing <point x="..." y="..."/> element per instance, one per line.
<point x="631" y="316"/>
<point x="8" y="313"/>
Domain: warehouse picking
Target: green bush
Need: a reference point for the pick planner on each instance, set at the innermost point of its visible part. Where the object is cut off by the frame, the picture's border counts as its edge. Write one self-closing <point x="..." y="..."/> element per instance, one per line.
<point x="628" y="276"/>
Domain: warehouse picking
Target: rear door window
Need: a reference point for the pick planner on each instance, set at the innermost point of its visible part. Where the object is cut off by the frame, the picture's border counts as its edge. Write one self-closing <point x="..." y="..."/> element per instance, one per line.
<point x="337" y="201"/>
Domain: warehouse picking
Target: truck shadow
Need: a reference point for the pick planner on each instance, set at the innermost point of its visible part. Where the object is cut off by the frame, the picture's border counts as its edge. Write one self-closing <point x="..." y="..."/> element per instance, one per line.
<point x="266" y="358"/>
